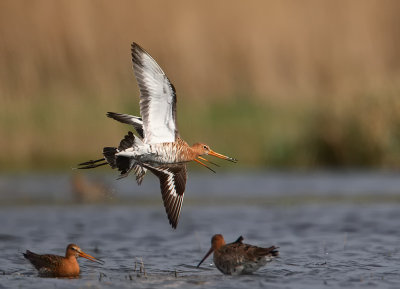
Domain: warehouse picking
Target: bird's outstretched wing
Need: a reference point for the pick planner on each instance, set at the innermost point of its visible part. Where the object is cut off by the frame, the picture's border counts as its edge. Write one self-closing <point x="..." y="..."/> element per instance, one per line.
<point x="157" y="98"/>
<point x="135" y="121"/>
<point x="172" y="183"/>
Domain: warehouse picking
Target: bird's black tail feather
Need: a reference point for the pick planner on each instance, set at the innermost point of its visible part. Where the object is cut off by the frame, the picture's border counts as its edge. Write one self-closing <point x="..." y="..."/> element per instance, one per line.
<point x="122" y="163"/>
<point x="273" y="251"/>
<point x="92" y="164"/>
<point x="109" y="156"/>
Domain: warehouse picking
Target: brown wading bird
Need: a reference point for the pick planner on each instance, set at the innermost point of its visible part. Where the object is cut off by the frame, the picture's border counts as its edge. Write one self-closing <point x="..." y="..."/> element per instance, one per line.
<point x="238" y="258"/>
<point x="59" y="266"/>
<point x="158" y="146"/>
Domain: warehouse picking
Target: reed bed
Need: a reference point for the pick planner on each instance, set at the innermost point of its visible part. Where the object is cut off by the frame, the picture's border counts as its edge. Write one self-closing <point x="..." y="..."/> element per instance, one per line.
<point x="291" y="84"/>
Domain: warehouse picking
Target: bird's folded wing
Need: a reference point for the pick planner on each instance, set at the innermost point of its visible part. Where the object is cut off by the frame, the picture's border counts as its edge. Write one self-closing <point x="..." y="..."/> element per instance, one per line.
<point x="42" y="261"/>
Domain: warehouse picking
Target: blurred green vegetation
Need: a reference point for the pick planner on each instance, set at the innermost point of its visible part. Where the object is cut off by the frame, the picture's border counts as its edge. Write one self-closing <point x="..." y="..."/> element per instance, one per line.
<point x="263" y="134"/>
<point x="279" y="84"/>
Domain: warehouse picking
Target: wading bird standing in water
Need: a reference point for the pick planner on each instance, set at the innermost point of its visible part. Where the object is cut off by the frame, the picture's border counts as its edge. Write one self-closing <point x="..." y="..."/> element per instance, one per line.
<point x="158" y="146"/>
<point x="59" y="266"/>
<point x="238" y="258"/>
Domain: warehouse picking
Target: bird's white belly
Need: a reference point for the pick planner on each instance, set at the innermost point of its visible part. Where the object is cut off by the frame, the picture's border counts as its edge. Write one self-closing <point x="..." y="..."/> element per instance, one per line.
<point x="163" y="153"/>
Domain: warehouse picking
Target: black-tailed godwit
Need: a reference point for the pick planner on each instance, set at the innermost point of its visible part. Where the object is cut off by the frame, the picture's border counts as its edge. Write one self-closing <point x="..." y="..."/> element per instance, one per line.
<point x="59" y="266"/>
<point x="238" y="258"/>
<point x="158" y="146"/>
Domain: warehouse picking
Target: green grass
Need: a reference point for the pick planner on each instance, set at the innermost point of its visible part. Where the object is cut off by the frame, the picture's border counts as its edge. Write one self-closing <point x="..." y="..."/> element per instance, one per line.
<point x="264" y="134"/>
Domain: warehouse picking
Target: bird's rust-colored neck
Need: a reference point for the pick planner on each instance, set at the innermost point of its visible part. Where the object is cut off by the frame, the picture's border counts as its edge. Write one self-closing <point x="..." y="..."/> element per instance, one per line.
<point x="195" y="151"/>
<point x="189" y="153"/>
<point x="217" y="242"/>
<point x="70" y="252"/>
<point x="73" y="252"/>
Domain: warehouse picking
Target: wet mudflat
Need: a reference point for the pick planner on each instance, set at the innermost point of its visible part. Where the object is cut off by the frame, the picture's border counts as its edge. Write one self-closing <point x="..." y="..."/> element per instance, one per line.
<point x="326" y="240"/>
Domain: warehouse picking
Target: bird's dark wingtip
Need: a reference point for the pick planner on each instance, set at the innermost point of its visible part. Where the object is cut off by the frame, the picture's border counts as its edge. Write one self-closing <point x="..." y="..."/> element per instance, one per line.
<point x="136" y="51"/>
<point x="26" y="254"/>
<point x="173" y="220"/>
<point x="239" y="240"/>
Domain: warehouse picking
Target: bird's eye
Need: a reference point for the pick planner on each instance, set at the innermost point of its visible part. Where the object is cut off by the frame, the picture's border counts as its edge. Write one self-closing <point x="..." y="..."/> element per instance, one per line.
<point x="205" y="147"/>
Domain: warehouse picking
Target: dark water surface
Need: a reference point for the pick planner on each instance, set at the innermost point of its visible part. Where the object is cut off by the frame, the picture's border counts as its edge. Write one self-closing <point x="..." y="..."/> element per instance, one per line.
<point x="333" y="231"/>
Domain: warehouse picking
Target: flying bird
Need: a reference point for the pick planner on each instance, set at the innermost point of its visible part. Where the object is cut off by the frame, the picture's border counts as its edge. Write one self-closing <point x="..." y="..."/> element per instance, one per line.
<point x="157" y="147"/>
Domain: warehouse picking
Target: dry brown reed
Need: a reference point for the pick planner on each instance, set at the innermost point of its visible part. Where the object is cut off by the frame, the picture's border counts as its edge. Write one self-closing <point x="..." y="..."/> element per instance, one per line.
<point x="308" y="83"/>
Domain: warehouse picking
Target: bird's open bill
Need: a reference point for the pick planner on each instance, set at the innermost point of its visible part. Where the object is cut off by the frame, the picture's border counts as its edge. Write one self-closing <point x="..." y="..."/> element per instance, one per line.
<point x="205" y="257"/>
<point x="91" y="258"/>
<point x="203" y="159"/>
<point x="213" y="153"/>
<point x="203" y="164"/>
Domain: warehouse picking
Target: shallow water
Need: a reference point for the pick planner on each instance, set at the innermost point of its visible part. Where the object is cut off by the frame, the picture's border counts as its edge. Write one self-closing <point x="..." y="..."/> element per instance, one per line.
<point x="326" y="241"/>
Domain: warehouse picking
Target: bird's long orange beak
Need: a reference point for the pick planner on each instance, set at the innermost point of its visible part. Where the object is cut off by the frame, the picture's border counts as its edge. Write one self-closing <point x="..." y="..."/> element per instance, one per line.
<point x="213" y="153"/>
<point x="203" y="159"/>
<point x="205" y="257"/>
<point x="91" y="258"/>
<point x="203" y="164"/>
